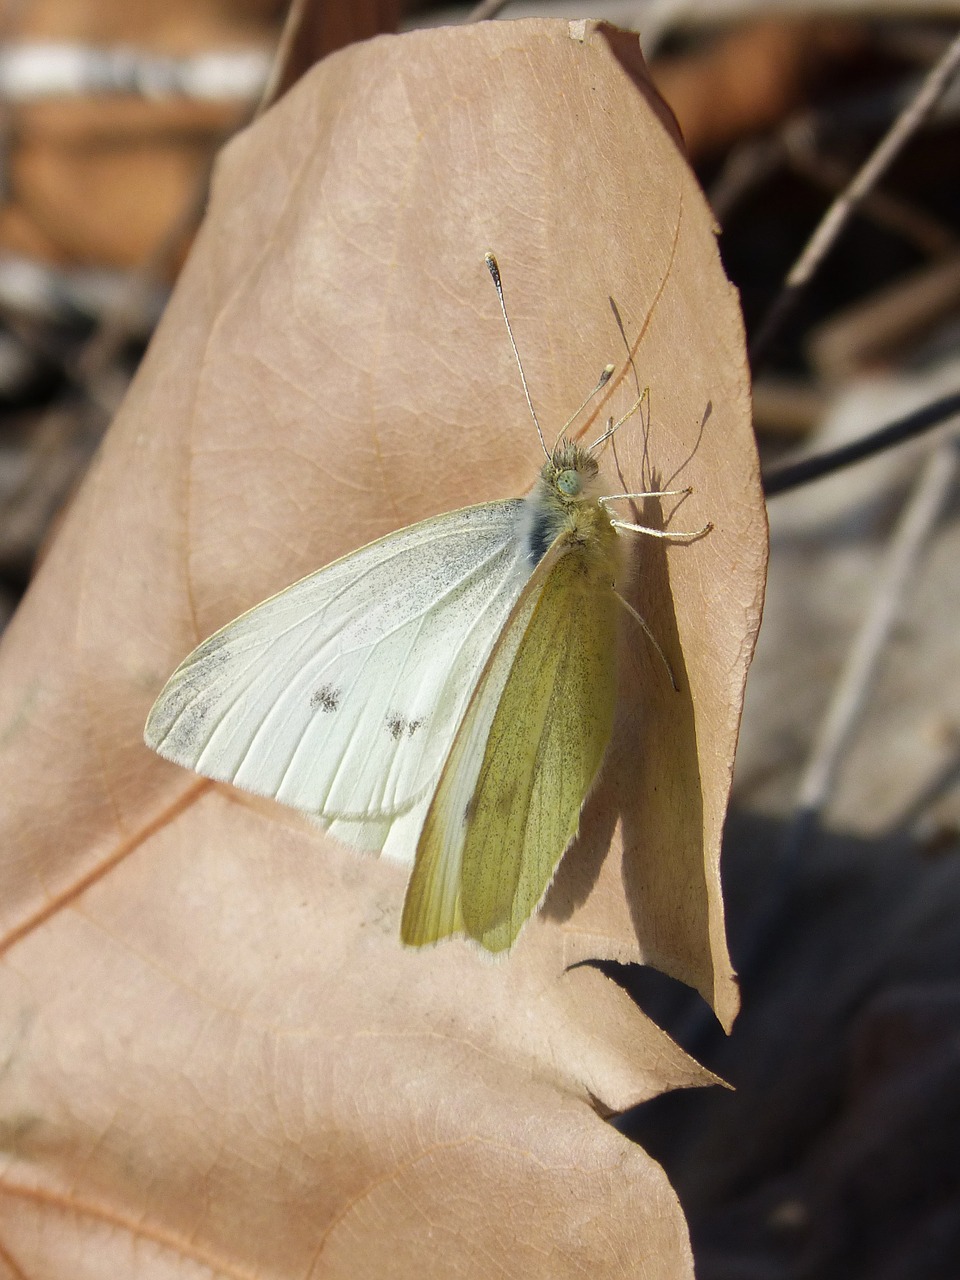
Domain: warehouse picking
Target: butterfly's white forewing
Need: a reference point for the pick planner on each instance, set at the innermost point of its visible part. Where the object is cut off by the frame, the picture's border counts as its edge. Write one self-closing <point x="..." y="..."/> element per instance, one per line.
<point x="342" y="694"/>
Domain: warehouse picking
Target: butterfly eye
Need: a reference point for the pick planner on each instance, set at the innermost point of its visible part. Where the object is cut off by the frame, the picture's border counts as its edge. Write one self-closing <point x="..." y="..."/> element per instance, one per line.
<point x="569" y="483"/>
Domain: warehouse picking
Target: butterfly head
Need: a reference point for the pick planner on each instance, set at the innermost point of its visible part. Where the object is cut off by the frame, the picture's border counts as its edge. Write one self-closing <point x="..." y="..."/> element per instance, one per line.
<point x="568" y="473"/>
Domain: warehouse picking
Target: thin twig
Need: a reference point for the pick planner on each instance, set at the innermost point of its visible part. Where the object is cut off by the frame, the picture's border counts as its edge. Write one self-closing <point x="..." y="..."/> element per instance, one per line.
<point x="920" y="514"/>
<point x="913" y="424"/>
<point x="929" y="234"/>
<point x="834" y="220"/>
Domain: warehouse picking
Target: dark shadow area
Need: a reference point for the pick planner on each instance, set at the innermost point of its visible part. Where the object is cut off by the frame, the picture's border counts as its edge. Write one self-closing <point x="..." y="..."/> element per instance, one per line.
<point x="837" y="1153"/>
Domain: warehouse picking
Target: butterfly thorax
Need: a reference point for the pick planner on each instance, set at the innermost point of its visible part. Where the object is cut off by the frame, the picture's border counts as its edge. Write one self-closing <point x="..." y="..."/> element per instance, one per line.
<point x="564" y="503"/>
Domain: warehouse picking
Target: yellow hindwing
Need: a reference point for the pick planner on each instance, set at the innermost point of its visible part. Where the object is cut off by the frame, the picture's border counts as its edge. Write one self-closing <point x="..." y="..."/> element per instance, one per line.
<point x="508" y="802"/>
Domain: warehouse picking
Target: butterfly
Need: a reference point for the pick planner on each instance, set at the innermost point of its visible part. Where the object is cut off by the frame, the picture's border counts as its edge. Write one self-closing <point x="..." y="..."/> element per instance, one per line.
<point x="444" y="695"/>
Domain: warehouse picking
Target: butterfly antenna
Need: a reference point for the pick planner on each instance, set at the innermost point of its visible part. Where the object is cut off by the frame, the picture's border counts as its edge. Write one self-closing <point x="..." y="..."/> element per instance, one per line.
<point x="494" y="270"/>
<point x="615" y="426"/>
<point x="601" y="383"/>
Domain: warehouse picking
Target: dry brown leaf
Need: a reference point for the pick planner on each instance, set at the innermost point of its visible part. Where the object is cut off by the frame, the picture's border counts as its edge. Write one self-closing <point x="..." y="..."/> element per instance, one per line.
<point x="216" y="1051"/>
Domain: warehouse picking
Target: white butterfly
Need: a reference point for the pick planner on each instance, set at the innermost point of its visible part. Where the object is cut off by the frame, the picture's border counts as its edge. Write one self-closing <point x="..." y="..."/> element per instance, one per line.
<point x="443" y="696"/>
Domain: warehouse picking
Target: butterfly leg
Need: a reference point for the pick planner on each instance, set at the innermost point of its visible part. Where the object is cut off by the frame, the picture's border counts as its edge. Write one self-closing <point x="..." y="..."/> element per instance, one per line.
<point x="649" y="493"/>
<point x="651" y="637"/>
<point x="670" y="535"/>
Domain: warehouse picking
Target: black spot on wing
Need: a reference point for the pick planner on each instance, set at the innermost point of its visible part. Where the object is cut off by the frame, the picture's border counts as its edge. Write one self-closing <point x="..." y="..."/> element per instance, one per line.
<point x="327" y="698"/>
<point x="399" y="726"/>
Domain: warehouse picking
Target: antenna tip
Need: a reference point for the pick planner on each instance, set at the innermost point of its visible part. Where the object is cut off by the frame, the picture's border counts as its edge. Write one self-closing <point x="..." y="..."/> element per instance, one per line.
<point x="492" y="266"/>
<point x="607" y="374"/>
